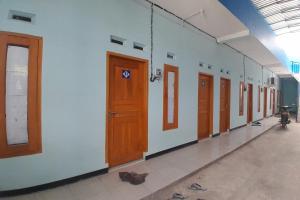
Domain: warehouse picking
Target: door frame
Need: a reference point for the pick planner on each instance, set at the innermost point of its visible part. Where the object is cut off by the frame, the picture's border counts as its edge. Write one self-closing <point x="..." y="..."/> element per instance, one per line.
<point x="211" y="102"/>
<point x="265" y="114"/>
<point x="145" y="65"/>
<point x="229" y="99"/>
<point x="250" y="116"/>
<point x="274" y="101"/>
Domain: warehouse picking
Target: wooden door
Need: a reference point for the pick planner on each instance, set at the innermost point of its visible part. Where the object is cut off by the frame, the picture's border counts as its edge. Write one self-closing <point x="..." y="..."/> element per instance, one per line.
<point x="265" y="101"/>
<point x="274" y="105"/>
<point x="224" y="105"/>
<point x="250" y="104"/>
<point x="205" y="106"/>
<point x="127" y="109"/>
<point x="278" y="98"/>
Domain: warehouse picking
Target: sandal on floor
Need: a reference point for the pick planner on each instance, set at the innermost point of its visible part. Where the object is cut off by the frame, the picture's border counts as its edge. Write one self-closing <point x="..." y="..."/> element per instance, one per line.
<point x="197" y="187"/>
<point x="178" y="196"/>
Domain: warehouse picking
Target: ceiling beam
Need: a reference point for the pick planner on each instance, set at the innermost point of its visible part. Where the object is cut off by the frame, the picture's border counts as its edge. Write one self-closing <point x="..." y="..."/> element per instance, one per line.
<point x="288" y="19"/>
<point x="274" y="3"/>
<point x="233" y="36"/>
<point x="282" y="11"/>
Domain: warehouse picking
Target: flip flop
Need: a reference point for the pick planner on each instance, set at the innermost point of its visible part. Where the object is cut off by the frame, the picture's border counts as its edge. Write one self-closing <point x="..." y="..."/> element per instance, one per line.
<point x="178" y="196"/>
<point x="197" y="187"/>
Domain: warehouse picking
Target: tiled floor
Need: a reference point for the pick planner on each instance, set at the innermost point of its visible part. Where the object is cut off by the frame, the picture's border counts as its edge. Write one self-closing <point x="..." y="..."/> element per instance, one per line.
<point x="264" y="169"/>
<point x="163" y="170"/>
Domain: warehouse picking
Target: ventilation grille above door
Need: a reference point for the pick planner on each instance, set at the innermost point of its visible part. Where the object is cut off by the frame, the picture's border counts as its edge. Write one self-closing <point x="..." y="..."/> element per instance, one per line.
<point x="138" y="46"/>
<point x="117" y="40"/>
<point x="171" y="55"/>
<point x="21" y="16"/>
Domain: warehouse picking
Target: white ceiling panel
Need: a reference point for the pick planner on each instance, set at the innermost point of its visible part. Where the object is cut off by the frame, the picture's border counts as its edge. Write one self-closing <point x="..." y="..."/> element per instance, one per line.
<point x="251" y="47"/>
<point x="208" y="15"/>
<point x="278" y="69"/>
<point x="212" y="17"/>
<point x="182" y="8"/>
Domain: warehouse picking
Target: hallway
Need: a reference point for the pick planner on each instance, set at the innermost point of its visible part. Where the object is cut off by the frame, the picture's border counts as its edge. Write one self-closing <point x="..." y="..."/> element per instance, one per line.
<point x="265" y="169"/>
<point x="163" y="170"/>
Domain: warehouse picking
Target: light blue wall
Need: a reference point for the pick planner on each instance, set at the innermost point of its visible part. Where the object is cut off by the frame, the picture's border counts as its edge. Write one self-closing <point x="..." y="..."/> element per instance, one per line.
<point x="76" y="38"/>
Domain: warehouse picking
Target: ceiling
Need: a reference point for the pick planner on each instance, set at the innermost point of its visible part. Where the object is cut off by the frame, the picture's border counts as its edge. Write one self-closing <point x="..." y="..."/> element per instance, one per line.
<point x="279" y="70"/>
<point x="251" y="47"/>
<point x="254" y="49"/>
<point x="282" y="15"/>
<point x="213" y="18"/>
<point x="208" y="15"/>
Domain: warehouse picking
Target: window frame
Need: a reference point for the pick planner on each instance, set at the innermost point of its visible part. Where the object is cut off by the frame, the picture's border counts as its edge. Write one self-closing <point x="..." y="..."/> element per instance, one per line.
<point x="174" y="125"/>
<point x="241" y="98"/>
<point x="34" y="45"/>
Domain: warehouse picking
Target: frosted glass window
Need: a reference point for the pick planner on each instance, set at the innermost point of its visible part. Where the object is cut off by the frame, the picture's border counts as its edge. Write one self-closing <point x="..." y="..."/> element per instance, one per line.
<point x="171" y="96"/>
<point x="16" y="95"/>
<point x="170" y="100"/>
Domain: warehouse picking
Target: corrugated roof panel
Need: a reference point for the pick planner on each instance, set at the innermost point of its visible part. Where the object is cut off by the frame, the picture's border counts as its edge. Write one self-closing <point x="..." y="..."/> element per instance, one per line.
<point x="282" y="15"/>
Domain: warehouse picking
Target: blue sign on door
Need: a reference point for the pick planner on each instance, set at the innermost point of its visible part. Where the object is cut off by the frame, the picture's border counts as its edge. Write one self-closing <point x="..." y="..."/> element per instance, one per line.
<point x="126" y="74"/>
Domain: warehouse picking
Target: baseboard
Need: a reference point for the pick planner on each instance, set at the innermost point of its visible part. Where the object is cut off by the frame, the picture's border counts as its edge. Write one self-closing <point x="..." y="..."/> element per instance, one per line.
<point x="259" y="120"/>
<point x="170" y="150"/>
<point x="52" y="184"/>
<point x="238" y="127"/>
<point x="216" y="135"/>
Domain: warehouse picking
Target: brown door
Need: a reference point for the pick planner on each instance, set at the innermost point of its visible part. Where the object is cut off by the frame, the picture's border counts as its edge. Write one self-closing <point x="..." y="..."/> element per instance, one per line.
<point x="205" y="106"/>
<point x="274" y="94"/>
<point x="265" y="101"/>
<point x="127" y="109"/>
<point x="224" y="105"/>
<point x="250" y="104"/>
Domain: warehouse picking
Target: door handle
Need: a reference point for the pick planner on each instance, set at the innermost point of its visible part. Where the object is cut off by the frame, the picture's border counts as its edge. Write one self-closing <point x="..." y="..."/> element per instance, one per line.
<point x="111" y="114"/>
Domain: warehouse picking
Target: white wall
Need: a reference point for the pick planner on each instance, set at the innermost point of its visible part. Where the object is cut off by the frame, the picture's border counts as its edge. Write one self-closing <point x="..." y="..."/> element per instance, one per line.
<point x="76" y="39"/>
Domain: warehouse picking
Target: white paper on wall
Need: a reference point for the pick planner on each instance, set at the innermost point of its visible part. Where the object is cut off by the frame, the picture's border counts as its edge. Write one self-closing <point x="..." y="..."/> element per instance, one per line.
<point x="171" y="95"/>
<point x="16" y="95"/>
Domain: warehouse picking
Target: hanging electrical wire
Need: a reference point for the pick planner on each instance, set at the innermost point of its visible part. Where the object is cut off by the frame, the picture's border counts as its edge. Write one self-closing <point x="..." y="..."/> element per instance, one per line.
<point x="152" y="77"/>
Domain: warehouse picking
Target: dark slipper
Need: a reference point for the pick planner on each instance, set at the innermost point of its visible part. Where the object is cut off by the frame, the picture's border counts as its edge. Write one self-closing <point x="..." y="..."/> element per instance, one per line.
<point x="178" y="196"/>
<point x="197" y="187"/>
<point x="132" y="177"/>
<point x="137" y="179"/>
